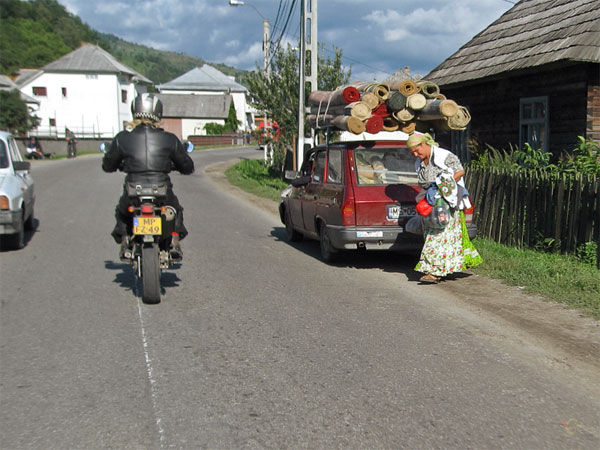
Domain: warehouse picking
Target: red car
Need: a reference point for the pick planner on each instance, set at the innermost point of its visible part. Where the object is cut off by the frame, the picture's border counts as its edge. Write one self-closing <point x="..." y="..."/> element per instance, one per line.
<point x="351" y="195"/>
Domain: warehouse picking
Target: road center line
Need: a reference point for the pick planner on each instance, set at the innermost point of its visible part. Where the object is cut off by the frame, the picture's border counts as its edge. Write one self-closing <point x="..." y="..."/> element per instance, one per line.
<point x="149" y="370"/>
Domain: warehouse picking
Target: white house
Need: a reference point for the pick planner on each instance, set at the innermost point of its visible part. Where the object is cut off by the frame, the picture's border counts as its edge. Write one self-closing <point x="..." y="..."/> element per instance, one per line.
<point x="208" y="81"/>
<point x="87" y="91"/>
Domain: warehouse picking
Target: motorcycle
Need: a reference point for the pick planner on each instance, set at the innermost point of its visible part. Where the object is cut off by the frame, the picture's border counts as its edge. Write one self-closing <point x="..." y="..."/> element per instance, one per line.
<point x="153" y="222"/>
<point x="152" y="226"/>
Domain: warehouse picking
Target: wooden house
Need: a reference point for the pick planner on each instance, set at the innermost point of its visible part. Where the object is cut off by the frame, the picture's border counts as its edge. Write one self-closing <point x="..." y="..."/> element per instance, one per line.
<point x="532" y="76"/>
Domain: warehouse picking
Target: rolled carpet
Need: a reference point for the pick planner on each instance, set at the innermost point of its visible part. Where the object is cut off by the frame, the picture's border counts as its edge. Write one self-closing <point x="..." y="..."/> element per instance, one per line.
<point x="428" y="88"/>
<point x="374" y="124"/>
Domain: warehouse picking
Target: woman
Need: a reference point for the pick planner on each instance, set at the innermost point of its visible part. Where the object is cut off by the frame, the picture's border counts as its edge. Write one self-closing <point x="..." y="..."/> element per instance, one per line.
<point x="442" y="253"/>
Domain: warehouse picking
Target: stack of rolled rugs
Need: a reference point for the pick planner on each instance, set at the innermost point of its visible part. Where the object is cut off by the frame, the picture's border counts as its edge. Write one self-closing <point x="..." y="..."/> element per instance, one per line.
<point x="406" y="106"/>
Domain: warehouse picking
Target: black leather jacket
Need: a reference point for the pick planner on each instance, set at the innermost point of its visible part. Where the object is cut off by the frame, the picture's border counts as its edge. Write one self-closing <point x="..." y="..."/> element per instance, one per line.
<point x="147" y="154"/>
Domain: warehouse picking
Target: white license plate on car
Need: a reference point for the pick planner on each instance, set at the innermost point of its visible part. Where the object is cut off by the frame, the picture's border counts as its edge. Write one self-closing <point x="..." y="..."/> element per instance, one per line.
<point x="397" y="211"/>
<point x="369" y="234"/>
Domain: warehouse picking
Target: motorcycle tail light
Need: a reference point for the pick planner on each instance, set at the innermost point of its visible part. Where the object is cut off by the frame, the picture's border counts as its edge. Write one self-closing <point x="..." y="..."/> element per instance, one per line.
<point x="4" y="203"/>
<point x="147" y="209"/>
<point x="130" y="209"/>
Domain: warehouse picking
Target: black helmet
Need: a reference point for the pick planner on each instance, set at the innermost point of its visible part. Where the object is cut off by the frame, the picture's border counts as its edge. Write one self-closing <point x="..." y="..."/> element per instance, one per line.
<point x="147" y="106"/>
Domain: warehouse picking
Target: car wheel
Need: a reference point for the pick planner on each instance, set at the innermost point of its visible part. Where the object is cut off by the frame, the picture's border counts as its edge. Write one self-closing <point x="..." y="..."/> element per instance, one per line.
<point x="329" y="254"/>
<point x="292" y="235"/>
<point x="29" y="223"/>
<point x="16" y="241"/>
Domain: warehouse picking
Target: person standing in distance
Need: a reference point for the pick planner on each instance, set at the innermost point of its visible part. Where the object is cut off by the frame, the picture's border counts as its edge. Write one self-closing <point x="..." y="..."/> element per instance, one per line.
<point x="147" y="154"/>
<point x="71" y="143"/>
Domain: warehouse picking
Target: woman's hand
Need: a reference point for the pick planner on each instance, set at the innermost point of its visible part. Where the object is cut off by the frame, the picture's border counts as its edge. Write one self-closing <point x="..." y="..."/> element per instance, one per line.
<point x="458" y="175"/>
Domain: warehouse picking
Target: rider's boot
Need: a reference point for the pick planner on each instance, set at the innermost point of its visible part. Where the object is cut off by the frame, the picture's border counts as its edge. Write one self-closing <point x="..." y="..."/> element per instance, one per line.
<point x="125" y="254"/>
<point x="175" y="251"/>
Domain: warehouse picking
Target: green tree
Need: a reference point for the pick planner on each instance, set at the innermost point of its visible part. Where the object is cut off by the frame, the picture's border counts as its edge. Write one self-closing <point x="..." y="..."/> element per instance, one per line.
<point x="231" y="123"/>
<point x="14" y="114"/>
<point x="278" y="93"/>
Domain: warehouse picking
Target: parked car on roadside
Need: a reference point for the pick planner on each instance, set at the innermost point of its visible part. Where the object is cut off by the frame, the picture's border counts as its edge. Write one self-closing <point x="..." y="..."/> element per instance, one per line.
<point x="16" y="194"/>
<point x="352" y="195"/>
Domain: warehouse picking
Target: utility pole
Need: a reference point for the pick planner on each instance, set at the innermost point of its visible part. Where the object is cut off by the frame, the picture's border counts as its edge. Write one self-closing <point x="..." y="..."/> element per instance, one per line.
<point x="308" y="15"/>
<point x="266" y="45"/>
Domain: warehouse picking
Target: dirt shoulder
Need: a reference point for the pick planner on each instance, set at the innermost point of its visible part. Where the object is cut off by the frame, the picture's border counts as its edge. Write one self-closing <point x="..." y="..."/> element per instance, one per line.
<point x="566" y="337"/>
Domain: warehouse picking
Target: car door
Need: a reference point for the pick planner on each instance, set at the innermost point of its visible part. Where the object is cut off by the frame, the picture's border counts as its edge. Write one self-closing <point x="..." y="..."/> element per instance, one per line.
<point x="297" y="194"/>
<point x="23" y="176"/>
<point x="329" y="205"/>
<point x="310" y="198"/>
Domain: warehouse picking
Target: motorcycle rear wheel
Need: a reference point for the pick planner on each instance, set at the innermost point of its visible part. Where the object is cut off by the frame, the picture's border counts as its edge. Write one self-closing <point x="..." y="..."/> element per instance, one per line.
<point x="150" y="274"/>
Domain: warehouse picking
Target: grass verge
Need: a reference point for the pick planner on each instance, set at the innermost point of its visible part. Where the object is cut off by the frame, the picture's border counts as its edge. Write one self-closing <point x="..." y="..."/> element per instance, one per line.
<point x="560" y="278"/>
<point x="254" y="177"/>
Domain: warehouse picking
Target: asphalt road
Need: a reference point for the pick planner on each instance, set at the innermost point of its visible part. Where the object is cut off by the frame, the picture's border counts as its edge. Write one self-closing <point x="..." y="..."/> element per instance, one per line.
<point x="256" y="343"/>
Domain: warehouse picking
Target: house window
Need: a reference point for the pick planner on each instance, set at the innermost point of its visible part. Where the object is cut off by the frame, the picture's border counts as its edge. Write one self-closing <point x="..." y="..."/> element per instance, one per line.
<point x="123" y="96"/>
<point x="534" y="123"/>
<point x="64" y="92"/>
<point x="52" y="122"/>
<point x="40" y="91"/>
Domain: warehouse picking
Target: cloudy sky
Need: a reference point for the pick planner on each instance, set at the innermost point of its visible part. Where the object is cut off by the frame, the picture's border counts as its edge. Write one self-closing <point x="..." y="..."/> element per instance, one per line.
<point x="376" y="37"/>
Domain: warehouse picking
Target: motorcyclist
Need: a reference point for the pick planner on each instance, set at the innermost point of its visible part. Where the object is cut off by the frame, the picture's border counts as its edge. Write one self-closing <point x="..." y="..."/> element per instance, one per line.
<point x="147" y="154"/>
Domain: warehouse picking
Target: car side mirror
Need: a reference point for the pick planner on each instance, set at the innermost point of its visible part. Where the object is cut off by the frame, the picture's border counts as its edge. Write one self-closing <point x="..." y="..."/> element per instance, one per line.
<point x="21" y="165"/>
<point x="290" y="175"/>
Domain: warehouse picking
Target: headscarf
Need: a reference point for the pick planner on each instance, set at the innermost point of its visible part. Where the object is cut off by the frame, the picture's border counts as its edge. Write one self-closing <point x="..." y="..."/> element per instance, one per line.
<point x="418" y="138"/>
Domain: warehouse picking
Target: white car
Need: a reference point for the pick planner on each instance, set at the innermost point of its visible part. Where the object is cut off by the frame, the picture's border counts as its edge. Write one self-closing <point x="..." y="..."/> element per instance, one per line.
<point x="16" y="194"/>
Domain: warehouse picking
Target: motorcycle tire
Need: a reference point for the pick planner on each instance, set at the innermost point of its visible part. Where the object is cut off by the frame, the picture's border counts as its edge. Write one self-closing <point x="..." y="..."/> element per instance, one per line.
<point x="150" y="274"/>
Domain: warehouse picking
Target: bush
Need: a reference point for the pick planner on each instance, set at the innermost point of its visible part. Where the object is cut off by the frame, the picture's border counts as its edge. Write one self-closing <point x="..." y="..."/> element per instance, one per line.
<point x="214" y="129"/>
<point x="583" y="159"/>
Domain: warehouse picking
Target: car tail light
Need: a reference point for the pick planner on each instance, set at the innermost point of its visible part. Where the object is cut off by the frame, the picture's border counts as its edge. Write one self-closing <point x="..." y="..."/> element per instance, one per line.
<point x="4" y="203"/>
<point x="469" y="214"/>
<point x="147" y="209"/>
<point x="349" y="213"/>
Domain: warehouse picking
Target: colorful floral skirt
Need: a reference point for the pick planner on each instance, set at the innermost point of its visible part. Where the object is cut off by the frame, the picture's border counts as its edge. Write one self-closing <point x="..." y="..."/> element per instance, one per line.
<point x="442" y="253"/>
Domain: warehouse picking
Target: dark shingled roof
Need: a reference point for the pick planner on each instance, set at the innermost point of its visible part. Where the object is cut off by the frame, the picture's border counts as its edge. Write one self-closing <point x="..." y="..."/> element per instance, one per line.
<point x="91" y="58"/>
<point x="530" y="34"/>
<point x="195" y="106"/>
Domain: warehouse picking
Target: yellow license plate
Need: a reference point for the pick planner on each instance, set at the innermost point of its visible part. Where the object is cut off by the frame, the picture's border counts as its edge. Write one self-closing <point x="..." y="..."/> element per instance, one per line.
<point x="147" y="225"/>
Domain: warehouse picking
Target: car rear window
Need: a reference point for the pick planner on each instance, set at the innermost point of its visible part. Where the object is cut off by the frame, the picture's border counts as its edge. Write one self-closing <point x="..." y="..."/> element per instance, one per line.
<point x="385" y="165"/>
<point x="3" y="156"/>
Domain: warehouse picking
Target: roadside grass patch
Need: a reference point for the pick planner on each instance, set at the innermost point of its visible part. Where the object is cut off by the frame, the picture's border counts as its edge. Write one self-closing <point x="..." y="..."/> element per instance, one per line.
<point x="254" y="177"/>
<point x="561" y="278"/>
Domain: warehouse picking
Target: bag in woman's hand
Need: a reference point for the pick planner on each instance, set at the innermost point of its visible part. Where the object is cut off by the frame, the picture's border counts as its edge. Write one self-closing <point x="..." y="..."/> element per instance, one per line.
<point x="439" y="216"/>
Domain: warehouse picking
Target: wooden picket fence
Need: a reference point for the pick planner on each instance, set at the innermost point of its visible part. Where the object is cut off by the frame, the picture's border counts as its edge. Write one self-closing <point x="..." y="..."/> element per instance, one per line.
<point x="531" y="209"/>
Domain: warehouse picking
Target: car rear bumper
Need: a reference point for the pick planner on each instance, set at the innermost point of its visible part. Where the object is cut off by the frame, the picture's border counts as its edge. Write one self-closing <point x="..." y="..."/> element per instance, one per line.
<point x="10" y="222"/>
<point x="371" y="238"/>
